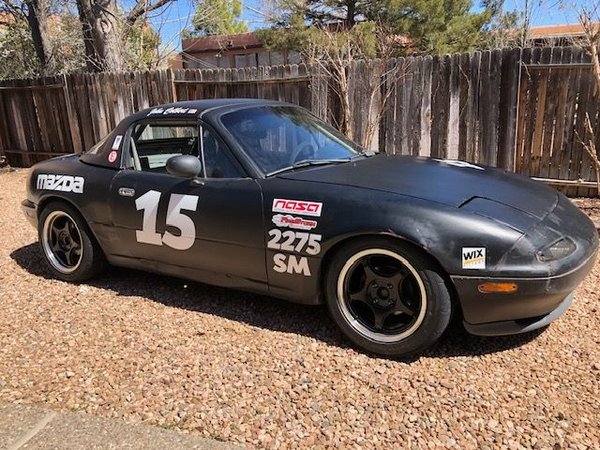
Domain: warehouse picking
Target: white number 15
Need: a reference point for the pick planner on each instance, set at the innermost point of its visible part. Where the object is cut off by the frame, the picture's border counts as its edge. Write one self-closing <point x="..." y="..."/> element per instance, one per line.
<point x="178" y="202"/>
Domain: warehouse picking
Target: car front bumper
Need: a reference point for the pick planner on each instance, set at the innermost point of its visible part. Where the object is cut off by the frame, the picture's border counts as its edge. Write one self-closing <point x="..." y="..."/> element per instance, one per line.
<point x="30" y="212"/>
<point x="518" y="326"/>
<point x="537" y="302"/>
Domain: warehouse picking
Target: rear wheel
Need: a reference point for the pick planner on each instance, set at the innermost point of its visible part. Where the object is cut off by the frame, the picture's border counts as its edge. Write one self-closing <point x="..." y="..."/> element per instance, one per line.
<point x="69" y="247"/>
<point x="387" y="297"/>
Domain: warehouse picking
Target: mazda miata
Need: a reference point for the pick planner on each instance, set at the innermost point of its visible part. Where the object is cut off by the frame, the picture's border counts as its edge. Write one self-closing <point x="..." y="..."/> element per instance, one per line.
<point x="263" y="196"/>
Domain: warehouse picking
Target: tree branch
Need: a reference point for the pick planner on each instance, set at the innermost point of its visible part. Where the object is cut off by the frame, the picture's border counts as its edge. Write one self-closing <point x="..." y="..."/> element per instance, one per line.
<point x="143" y="7"/>
<point x="19" y="12"/>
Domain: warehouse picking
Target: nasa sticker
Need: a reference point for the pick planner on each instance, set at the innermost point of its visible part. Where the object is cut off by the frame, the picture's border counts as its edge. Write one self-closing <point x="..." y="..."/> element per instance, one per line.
<point x="112" y="156"/>
<point x="473" y="257"/>
<point x="303" y="208"/>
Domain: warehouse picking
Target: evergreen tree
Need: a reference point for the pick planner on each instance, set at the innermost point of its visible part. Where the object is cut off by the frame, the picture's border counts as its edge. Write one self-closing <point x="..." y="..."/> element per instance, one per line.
<point x="431" y="26"/>
<point x="218" y="17"/>
<point x="434" y="26"/>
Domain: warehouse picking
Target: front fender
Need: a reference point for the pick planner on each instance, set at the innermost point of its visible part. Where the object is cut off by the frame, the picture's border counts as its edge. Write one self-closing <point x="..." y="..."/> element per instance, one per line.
<point x="348" y="213"/>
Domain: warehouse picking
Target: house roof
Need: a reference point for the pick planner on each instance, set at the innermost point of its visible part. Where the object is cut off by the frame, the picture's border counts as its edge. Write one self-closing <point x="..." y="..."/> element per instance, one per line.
<point x="556" y="31"/>
<point x="7" y="18"/>
<point x="222" y="42"/>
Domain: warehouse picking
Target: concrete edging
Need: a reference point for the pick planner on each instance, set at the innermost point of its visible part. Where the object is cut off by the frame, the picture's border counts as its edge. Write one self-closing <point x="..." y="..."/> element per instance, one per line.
<point x="23" y="426"/>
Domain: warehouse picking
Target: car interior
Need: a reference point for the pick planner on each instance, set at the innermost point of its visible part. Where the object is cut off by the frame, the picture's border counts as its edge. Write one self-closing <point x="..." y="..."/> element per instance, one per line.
<point x="153" y="143"/>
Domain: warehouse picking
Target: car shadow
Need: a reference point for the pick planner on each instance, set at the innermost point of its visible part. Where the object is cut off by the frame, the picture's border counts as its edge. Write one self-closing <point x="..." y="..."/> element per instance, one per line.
<point x="258" y="310"/>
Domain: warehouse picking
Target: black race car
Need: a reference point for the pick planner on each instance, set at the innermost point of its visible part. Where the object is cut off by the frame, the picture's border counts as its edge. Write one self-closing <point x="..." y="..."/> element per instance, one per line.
<point x="263" y="196"/>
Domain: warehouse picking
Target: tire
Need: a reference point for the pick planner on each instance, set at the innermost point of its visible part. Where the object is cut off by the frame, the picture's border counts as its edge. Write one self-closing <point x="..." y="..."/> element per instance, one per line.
<point x="70" y="248"/>
<point x="387" y="297"/>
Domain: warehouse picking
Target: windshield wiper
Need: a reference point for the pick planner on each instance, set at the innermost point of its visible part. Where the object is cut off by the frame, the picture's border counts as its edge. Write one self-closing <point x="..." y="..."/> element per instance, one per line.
<point x="309" y="162"/>
<point x="364" y="153"/>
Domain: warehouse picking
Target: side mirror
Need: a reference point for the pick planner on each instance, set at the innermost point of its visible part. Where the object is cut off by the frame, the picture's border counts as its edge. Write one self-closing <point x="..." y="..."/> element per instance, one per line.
<point x="186" y="166"/>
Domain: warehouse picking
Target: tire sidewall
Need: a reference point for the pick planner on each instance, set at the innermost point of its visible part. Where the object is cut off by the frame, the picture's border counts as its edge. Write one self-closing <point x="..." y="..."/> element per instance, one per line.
<point x="92" y="259"/>
<point x="438" y="305"/>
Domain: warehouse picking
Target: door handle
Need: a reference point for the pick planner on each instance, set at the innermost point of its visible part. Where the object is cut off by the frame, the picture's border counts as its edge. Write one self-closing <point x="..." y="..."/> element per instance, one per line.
<point x="126" y="192"/>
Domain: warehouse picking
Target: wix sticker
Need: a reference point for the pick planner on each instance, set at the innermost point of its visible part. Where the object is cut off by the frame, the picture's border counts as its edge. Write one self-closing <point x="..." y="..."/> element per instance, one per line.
<point x="473" y="257"/>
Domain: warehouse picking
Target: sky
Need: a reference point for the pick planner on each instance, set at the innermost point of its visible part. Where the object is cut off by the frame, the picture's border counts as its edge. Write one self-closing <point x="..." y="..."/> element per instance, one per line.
<point x="178" y="15"/>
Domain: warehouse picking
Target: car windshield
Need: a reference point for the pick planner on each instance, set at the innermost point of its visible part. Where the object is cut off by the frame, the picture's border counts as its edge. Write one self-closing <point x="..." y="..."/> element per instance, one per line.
<point x="278" y="138"/>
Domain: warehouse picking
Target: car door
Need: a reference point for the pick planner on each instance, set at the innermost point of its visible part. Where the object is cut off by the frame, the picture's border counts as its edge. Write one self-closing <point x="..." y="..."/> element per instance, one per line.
<point x="209" y="228"/>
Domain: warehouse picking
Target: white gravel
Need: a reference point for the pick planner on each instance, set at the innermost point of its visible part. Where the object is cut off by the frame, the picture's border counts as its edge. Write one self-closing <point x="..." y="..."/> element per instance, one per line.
<point x="249" y="369"/>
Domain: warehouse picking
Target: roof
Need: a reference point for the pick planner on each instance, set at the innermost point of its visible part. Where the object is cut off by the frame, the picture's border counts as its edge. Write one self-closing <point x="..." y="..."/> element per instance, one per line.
<point x="221" y="42"/>
<point x="195" y="108"/>
<point x="7" y="19"/>
<point x="192" y="109"/>
<point x="556" y="31"/>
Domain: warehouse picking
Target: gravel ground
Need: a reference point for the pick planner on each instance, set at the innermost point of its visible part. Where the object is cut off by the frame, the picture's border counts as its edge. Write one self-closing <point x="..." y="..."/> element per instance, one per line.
<point x="249" y="369"/>
<point x="590" y="206"/>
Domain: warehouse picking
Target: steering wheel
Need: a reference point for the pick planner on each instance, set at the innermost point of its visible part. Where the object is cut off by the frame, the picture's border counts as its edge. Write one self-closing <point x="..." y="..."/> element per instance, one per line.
<point x="305" y="150"/>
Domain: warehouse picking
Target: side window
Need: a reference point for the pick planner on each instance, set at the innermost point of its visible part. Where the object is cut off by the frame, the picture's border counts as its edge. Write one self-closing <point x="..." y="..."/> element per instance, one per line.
<point x="216" y="157"/>
<point x="153" y="143"/>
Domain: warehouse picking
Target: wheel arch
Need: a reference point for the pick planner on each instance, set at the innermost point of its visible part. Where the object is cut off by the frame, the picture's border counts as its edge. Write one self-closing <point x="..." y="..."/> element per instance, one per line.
<point x="389" y="237"/>
<point x="46" y="200"/>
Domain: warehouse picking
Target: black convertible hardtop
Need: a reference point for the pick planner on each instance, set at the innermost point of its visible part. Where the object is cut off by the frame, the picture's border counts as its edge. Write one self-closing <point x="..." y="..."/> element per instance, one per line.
<point x="191" y="109"/>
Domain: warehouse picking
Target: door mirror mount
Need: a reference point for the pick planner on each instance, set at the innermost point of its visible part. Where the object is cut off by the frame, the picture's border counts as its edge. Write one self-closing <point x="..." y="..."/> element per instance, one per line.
<point x="185" y="166"/>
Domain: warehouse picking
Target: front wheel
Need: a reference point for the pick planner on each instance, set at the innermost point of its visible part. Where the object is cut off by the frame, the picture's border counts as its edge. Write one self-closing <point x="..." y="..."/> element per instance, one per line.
<point x="387" y="297"/>
<point x="69" y="247"/>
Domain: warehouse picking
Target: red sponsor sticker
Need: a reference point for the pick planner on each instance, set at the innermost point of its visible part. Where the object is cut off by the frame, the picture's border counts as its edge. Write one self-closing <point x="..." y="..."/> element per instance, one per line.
<point x="304" y="208"/>
<point x="298" y="223"/>
<point x="112" y="156"/>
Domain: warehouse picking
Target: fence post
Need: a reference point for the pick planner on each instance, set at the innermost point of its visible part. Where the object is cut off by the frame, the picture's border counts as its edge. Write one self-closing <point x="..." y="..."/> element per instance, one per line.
<point x="319" y="88"/>
<point x="509" y="101"/>
<point x="72" y="117"/>
<point x="171" y="77"/>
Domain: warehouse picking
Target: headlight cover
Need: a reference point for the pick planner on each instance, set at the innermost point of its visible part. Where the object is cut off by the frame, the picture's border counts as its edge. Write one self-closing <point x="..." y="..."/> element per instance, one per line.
<point x="558" y="250"/>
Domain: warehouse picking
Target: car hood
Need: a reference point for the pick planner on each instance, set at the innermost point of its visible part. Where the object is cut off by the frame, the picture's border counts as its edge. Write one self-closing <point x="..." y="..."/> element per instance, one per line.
<point x="484" y="190"/>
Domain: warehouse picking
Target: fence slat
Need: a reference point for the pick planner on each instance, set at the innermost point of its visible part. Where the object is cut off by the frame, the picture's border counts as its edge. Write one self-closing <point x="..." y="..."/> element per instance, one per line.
<point x="425" y="143"/>
<point x="439" y="106"/>
<point x="454" y="108"/>
<point x="550" y="119"/>
<point x="540" y="115"/>
<point x="588" y="107"/>
<point x="563" y="80"/>
<point x="509" y="86"/>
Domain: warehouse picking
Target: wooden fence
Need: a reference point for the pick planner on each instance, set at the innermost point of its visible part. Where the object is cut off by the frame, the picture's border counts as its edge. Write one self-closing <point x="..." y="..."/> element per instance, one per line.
<point x="557" y="92"/>
<point x="520" y="109"/>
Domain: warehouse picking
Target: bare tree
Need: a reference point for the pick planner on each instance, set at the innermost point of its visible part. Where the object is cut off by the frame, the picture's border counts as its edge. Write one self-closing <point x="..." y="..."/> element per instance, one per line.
<point x="589" y="17"/>
<point x="334" y="52"/>
<point x="106" y="29"/>
<point x="528" y="10"/>
<point x="35" y="14"/>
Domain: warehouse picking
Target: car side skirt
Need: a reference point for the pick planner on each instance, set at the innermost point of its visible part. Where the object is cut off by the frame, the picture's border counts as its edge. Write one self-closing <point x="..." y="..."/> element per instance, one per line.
<point x="196" y="275"/>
